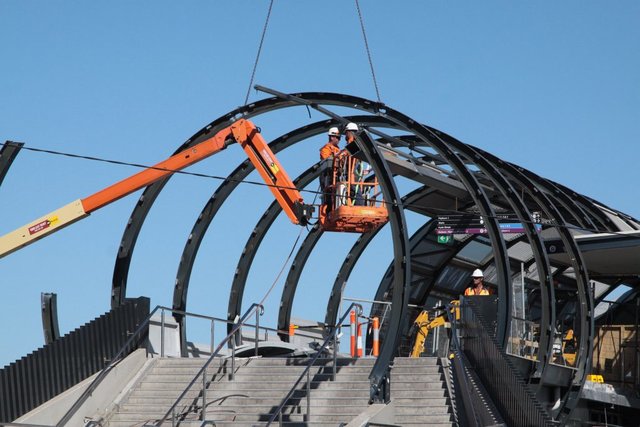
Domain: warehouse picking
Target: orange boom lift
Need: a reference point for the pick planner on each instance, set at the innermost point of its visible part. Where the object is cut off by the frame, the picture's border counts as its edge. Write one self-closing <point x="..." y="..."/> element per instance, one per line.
<point x="355" y="202"/>
<point x="245" y="133"/>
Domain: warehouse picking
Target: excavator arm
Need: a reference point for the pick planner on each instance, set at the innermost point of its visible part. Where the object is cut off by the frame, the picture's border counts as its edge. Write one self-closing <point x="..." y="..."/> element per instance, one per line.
<point x="422" y="325"/>
<point x="244" y="132"/>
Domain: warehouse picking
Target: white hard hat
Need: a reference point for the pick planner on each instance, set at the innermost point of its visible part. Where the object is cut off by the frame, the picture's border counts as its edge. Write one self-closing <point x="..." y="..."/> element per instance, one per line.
<point x="334" y="131"/>
<point x="352" y="126"/>
<point x="477" y="273"/>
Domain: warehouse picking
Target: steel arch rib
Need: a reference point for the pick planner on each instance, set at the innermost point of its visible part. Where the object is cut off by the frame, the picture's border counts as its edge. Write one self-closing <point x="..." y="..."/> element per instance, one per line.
<point x="293" y="278"/>
<point x="8" y="154"/>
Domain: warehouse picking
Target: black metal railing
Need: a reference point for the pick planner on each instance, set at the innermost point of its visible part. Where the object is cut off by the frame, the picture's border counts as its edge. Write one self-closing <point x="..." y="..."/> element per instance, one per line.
<point x="509" y="392"/>
<point x="332" y="337"/>
<point x="256" y="309"/>
<point x="56" y="367"/>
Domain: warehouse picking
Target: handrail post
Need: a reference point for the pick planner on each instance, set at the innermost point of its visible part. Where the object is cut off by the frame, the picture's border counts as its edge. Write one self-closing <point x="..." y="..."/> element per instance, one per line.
<point x="257" y="330"/>
<point x="233" y="357"/>
<point x="308" y="415"/>
<point x="203" y="415"/>
<point x="162" y="332"/>
<point x="213" y="327"/>
<point x="335" y="354"/>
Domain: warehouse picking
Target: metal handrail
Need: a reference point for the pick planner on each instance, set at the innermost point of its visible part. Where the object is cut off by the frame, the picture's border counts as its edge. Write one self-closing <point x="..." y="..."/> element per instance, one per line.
<point x="231" y="322"/>
<point x="331" y="336"/>
<point x="511" y="396"/>
<point x="254" y="307"/>
<point x="461" y="360"/>
<point x="103" y="373"/>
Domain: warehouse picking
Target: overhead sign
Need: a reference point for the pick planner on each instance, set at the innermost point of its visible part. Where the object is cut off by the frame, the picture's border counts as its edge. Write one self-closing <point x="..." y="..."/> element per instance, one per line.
<point x="474" y="224"/>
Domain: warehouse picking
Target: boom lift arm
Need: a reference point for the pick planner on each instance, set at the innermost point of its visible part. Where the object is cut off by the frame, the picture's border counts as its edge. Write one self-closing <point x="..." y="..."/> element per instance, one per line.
<point x="243" y="131"/>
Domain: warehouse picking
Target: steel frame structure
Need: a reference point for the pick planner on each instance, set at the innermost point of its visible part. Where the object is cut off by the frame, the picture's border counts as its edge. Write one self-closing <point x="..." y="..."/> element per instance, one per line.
<point x="486" y="179"/>
<point x="483" y="183"/>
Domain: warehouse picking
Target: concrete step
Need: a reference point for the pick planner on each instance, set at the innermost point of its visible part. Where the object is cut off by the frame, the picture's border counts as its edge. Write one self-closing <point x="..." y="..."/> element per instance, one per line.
<point x="243" y="385"/>
<point x="252" y="369"/>
<point x="411" y="393"/>
<point x="234" y="424"/>
<point x="421" y="401"/>
<point x="421" y="424"/>
<point x="422" y="361"/>
<point x="141" y="418"/>
<point x="425" y="420"/>
<point x="413" y="378"/>
<point x="291" y="377"/>
<point x="299" y="408"/>
<point x="420" y="409"/>
<point x="231" y="400"/>
<point x="416" y="385"/>
<point x="265" y="361"/>
<point x="319" y="393"/>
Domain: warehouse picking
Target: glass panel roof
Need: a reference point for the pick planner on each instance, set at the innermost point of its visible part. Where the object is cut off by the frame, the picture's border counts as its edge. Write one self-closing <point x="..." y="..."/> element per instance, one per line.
<point x="474" y="252"/>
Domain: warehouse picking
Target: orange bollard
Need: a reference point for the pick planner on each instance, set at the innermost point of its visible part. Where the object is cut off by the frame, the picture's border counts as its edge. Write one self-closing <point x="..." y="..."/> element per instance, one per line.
<point x="376" y="337"/>
<point x="360" y="349"/>
<point x="352" y="322"/>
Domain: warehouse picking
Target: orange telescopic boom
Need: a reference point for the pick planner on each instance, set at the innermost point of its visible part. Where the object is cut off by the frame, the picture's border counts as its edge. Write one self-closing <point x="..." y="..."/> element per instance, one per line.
<point x="242" y="131"/>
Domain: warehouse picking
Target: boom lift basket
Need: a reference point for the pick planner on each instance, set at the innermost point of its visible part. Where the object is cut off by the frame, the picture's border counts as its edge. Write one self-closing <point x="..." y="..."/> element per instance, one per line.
<point x="352" y="197"/>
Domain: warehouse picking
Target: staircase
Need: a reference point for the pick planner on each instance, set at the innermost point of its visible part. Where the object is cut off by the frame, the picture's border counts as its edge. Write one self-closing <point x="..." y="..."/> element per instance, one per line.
<point x="417" y="391"/>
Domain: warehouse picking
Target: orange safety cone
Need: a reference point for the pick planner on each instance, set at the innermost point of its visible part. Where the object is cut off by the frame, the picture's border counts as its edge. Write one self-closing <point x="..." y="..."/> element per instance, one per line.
<point x="360" y="349"/>
<point x="352" y="322"/>
<point x="376" y="337"/>
<point x="292" y="329"/>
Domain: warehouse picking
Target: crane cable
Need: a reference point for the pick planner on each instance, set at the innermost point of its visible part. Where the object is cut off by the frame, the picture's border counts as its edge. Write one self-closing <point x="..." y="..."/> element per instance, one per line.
<point x="286" y="261"/>
<point x="255" y="64"/>
<point x="366" y="45"/>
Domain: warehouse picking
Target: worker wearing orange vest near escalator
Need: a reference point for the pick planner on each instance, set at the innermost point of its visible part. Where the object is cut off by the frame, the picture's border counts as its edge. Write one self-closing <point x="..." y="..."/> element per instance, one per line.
<point x="477" y="288"/>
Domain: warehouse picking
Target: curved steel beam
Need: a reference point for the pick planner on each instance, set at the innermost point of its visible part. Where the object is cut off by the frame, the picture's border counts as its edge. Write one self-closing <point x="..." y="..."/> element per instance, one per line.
<point x="402" y="263"/>
<point x="291" y="283"/>
<point x="8" y="154"/>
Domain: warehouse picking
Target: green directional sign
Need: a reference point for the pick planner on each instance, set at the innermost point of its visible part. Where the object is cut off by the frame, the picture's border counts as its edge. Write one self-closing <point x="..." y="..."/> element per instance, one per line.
<point x="444" y="238"/>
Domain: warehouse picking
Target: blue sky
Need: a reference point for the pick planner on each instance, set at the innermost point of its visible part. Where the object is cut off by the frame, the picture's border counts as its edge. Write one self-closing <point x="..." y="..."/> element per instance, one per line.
<point x="551" y="86"/>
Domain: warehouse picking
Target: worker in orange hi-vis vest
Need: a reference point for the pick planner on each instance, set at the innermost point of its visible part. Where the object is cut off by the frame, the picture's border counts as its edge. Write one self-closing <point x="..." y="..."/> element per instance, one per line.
<point x="477" y="288"/>
<point x="328" y="151"/>
<point x="332" y="147"/>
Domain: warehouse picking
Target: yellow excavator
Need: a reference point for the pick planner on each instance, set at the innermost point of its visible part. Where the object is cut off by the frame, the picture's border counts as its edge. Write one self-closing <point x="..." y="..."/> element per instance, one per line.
<point x="422" y="325"/>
